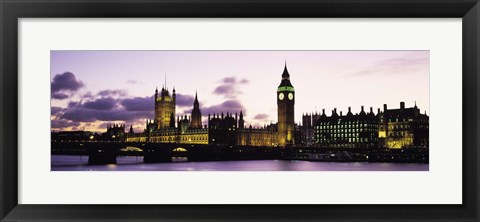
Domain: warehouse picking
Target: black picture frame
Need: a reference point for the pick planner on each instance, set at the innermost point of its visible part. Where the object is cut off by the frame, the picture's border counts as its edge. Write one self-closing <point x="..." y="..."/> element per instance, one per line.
<point x="12" y="10"/>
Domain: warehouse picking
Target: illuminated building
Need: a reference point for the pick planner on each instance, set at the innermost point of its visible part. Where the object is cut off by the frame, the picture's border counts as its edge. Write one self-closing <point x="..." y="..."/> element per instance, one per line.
<point x="222" y="129"/>
<point x="258" y="136"/>
<point x="194" y="136"/>
<point x="403" y="128"/>
<point x="187" y="130"/>
<point x="166" y="135"/>
<point x="137" y="137"/>
<point x="286" y="110"/>
<point x="392" y="128"/>
<point x="347" y="131"/>
<point x="165" y="108"/>
<point x="183" y="134"/>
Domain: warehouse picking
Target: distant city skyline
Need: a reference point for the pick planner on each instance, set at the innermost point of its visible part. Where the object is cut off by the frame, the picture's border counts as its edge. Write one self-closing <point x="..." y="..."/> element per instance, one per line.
<point x="93" y="88"/>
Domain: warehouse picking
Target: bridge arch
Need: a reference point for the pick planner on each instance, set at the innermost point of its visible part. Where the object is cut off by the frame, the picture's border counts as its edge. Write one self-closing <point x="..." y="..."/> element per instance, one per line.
<point x="179" y="154"/>
<point x="131" y="149"/>
<point x="179" y="149"/>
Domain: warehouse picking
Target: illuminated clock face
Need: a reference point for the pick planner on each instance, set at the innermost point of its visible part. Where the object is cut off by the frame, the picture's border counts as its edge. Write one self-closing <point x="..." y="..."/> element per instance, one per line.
<point x="281" y="96"/>
<point x="290" y="96"/>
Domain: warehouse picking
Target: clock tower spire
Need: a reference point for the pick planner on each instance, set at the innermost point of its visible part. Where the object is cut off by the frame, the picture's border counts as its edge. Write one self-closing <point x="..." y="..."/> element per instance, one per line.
<point x="286" y="110"/>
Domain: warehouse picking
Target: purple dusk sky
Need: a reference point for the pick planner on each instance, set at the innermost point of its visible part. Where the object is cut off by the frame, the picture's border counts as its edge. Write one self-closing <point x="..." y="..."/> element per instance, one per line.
<point x="93" y="88"/>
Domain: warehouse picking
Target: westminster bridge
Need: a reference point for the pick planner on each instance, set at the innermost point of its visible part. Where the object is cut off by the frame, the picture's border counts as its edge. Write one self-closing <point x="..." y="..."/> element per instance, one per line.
<point x="106" y="152"/>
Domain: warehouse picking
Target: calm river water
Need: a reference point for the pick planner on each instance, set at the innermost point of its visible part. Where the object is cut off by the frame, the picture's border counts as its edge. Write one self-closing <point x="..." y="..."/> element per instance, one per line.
<point x="79" y="163"/>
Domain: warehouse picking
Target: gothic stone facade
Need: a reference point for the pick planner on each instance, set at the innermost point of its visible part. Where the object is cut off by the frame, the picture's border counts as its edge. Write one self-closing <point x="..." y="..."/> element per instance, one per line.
<point x="221" y="129"/>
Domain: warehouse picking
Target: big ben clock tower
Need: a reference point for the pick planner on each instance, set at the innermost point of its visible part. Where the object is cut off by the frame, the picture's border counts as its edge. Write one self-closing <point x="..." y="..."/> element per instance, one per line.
<point x="286" y="111"/>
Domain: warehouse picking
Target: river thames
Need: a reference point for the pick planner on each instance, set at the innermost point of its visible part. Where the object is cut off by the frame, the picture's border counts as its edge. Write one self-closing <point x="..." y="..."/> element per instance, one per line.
<point x="80" y="163"/>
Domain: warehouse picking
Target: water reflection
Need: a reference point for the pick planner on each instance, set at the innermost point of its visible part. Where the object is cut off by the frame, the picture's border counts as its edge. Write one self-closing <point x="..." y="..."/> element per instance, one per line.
<point x="80" y="163"/>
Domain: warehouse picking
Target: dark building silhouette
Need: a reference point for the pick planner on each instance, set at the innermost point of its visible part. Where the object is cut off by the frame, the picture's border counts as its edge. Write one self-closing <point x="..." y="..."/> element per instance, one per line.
<point x="72" y="136"/>
<point x="307" y="120"/>
<point x="229" y="130"/>
<point x="307" y="134"/>
<point x="115" y="132"/>
<point x="241" y="122"/>
<point x="222" y="129"/>
<point x="347" y="131"/>
<point x="196" y="114"/>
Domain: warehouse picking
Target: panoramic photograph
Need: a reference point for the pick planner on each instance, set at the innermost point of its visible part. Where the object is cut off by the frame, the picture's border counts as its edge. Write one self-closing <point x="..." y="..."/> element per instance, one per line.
<point x="239" y="110"/>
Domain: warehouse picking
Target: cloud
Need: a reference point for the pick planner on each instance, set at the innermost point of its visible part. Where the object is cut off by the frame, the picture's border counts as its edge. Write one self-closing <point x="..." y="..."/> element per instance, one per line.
<point x="399" y="65"/>
<point x="229" y="80"/>
<point x="65" y="82"/>
<point x="101" y="104"/>
<point x="133" y="82"/>
<point x="117" y="92"/>
<point x="104" y="106"/>
<point x="231" y="106"/>
<point x="116" y="106"/>
<point x="261" y="116"/>
<point x="184" y="100"/>
<point x="139" y="103"/>
<point x="62" y="123"/>
<point x="88" y="95"/>
<point x="63" y="85"/>
<point x="55" y="109"/>
<point x="60" y="96"/>
<point x="109" y="109"/>
<point x="226" y="90"/>
<point x="89" y="115"/>
<point x="73" y="104"/>
<point x="229" y="87"/>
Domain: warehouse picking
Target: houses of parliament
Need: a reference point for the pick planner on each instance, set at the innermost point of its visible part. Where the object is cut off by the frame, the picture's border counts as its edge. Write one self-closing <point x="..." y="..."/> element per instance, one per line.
<point x="390" y="128"/>
<point x="225" y="128"/>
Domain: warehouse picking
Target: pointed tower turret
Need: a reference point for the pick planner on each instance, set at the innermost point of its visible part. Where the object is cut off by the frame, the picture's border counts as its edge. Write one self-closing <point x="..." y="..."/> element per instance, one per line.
<point x="174" y="94"/>
<point x="196" y="114"/>
<point x="195" y="103"/>
<point x="241" y="122"/>
<point x="362" y="112"/>
<point x="285" y="74"/>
